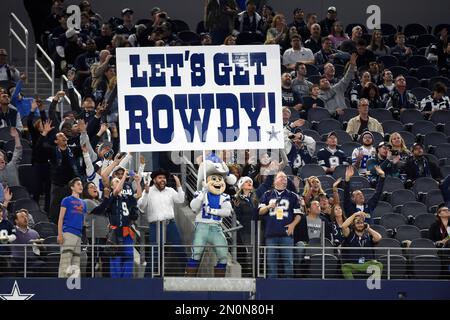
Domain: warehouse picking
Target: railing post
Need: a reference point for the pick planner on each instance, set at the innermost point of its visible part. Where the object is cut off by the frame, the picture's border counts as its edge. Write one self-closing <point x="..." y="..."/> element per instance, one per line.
<point x="253" y="246"/>
<point x="10" y="41"/>
<point x="26" y="55"/>
<point x="389" y="265"/>
<point x="161" y="246"/>
<point x="25" y="262"/>
<point x="323" y="249"/>
<point x="93" y="247"/>
<point x="234" y="240"/>
<point x="35" y="71"/>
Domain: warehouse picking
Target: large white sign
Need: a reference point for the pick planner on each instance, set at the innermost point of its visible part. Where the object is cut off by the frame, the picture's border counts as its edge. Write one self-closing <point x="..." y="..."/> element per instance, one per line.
<point x="197" y="98"/>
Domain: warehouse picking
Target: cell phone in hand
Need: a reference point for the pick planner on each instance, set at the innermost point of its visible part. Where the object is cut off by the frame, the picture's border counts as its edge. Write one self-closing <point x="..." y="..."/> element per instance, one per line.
<point x="122" y="154"/>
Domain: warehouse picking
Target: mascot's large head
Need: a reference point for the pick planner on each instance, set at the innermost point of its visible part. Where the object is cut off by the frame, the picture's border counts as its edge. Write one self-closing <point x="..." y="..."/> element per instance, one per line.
<point x="215" y="184"/>
<point x="214" y="166"/>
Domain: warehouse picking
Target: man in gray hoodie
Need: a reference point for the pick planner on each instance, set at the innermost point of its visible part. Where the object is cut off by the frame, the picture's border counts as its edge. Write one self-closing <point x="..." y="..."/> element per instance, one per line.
<point x="333" y="96"/>
<point x="8" y="170"/>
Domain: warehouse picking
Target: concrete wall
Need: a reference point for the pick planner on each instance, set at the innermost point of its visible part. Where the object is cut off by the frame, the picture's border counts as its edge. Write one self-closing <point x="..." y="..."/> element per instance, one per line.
<point x="395" y="12"/>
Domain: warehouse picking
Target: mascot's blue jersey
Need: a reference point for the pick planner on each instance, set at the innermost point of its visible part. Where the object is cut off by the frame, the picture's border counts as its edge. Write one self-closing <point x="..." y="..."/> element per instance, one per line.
<point x="211" y="201"/>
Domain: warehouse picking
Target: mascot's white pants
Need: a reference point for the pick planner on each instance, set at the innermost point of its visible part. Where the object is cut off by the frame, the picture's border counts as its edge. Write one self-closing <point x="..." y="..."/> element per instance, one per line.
<point x="209" y="233"/>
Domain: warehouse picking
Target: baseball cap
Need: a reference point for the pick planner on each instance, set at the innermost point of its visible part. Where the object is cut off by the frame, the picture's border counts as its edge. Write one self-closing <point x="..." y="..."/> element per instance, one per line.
<point x="127" y="10"/>
<point x="104" y="145"/>
<point x="332" y="9"/>
<point x="3" y="52"/>
<point x="243" y="180"/>
<point x="383" y="144"/>
<point x="154" y="10"/>
<point x="332" y="133"/>
<point x="417" y="144"/>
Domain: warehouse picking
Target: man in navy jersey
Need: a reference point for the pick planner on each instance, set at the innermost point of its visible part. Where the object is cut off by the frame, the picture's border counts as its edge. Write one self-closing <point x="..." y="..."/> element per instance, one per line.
<point x="358" y="202"/>
<point x="70" y="227"/>
<point x="330" y="157"/>
<point x="358" y="234"/>
<point x="280" y="210"/>
<point x="122" y="212"/>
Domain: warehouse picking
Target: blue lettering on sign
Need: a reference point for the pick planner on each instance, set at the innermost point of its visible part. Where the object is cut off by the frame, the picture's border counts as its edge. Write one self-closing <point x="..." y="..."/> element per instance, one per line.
<point x="158" y="77"/>
<point x="134" y="135"/>
<point x="162" y="102"/>
<point x="253" y="103"/>
<point x="198" y="70"/>
<point x="228" y="101"/>
<point x="137" y="81"/>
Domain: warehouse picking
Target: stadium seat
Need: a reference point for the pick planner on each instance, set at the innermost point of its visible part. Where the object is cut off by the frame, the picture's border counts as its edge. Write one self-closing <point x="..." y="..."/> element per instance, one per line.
<point x="392" y="184"/>
<point x="416" y="62"/>
<point x="421" y="243"/>
<point x="348" y="114"/>
<point x="420" y="92"/>
<point x="313" y="134"/>
<point x="19" y="192"/>
<point x="318" y="114"/>
<point x="348" y="147"/>
<point x="319" y="145"/>
<point x="410" y="116"/>
<point x="359" y="183"/>
<point x="398" y="70"/>
<point x="388" y="61"/>
<point x="407" y="232"/>
<point x="179" y="25"/>
<point x="25" y="172"/>
<point x="412" y="82"/>
<point x="408" y="137"/>
<point x="400" y="197"/>
<point x="427" y="72"/>
<point x="424" y="221"/>
<point x="434" y="139"/>
<point x="440" y="116"/>
<point x="368" y="192"/>
<point x="189" y="37"/>
<point x="39" y="216"/>
<point x="424" y="40"/>
<point x="339" y="172"/>
<point x="424" y="184"/>
<point x="442" y="151"/>
<point x="331" y="266"/>
<point x="445" y="169"/>
<point x="326" y="181"/>
<point x="377" y="137"/>
<point x="46" y="229"/>
<point x="434" y="198"/>
<point x="26" y="203"/>
<point x="391" y="126"/>
<point x="329" y="193"/>
<point x="381" y="114"/>
<point x="394" y="266"/>
<point x="426" y="267"/>
<point x="392" y="220"/>
<point x="380" y="229"/>
<point x="412" y="209"/>
<point x="437" y="79"/>
<point x="422" y="127"/>
<point x="381" y="209"/>
<point x="311" y="170"/>
<point x="414" y="29"/>
<point x="325" y="126"/>
<point x="388" y="29"/>
<point x="393" y="244"/>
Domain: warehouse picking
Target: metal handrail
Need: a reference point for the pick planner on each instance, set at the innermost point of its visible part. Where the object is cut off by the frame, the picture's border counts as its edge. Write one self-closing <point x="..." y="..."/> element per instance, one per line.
<point x="37" y="64"/>
<point x="12" y="32"/>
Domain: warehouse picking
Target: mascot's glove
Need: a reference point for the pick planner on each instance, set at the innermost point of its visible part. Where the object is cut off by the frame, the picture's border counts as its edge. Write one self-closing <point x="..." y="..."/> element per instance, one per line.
<point x="223" y="212"/>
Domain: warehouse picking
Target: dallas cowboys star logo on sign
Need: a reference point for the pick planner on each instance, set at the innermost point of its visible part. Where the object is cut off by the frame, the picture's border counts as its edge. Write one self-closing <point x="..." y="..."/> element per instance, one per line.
<point x="15" y="294"/>
<point x="273" y="133"/>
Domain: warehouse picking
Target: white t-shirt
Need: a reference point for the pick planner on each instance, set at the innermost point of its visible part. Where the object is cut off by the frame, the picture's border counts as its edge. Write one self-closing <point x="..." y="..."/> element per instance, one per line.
<point x="292" y="56"/>
<point x="367" y="154"/>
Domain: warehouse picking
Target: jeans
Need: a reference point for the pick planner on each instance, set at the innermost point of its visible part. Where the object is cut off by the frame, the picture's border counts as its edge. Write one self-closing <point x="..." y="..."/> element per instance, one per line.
<point x="209" y="233"/>
<point x="172" y="238"/>
<point x="121" y="266"/>
<point x="276" y="256"/>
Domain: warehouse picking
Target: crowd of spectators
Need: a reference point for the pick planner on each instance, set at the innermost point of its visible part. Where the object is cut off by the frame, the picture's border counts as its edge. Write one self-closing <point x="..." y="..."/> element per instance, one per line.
<point x="350" y="109"/>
